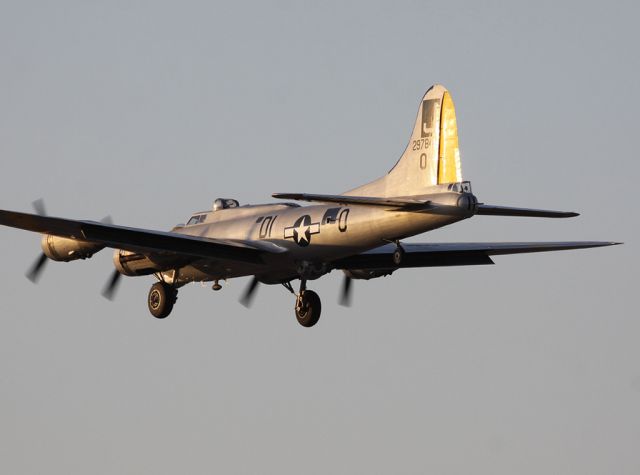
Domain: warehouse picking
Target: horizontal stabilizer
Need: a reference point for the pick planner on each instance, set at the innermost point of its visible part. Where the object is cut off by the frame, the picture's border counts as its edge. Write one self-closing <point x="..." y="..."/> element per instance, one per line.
<point x="491" y="210"/>
<point x="352" y="200"/>
<point x="396" y="204"/>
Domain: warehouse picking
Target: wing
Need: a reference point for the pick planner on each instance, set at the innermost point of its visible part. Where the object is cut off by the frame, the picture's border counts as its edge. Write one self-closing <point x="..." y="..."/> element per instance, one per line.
<point x="140" y="240"/>
<point x="454" y="254"/>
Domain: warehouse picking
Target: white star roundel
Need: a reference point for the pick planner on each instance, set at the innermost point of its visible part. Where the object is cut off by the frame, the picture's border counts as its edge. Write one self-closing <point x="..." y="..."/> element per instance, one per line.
<point x="302" y="230"/>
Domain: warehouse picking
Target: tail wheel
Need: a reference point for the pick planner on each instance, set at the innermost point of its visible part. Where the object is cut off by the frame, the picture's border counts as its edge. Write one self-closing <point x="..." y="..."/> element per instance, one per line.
<point x="161" y="299"/>
<point x="308" y="308"/>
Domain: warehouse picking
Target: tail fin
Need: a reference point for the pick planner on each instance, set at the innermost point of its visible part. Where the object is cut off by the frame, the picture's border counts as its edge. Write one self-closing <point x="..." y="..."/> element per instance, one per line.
<point x="432" y="156"/>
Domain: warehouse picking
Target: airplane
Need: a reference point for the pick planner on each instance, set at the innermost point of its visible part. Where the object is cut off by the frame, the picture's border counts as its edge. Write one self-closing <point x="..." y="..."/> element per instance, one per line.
<point x="359" y="232"/>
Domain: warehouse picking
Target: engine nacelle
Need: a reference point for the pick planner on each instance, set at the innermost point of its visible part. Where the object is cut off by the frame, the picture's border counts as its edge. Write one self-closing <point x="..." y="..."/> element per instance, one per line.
<point x="367" y="274"/>
<point x="66" y="249"/>
<point x="132" y="263"/>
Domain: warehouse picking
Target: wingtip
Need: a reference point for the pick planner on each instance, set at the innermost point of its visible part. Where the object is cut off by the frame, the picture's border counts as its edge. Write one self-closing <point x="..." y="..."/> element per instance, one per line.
<point x="606" y="243"/>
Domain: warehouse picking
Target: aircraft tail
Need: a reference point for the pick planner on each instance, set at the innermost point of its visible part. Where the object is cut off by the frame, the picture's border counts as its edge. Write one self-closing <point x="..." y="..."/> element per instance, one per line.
<point x="432" y="156"/>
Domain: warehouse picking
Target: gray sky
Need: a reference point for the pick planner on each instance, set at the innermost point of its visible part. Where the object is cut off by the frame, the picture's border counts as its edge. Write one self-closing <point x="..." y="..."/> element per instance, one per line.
<point x="150" y="110"/>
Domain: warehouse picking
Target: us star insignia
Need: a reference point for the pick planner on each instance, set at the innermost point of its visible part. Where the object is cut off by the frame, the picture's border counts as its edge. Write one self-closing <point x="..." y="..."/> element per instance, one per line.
<point x="302" y="230"/>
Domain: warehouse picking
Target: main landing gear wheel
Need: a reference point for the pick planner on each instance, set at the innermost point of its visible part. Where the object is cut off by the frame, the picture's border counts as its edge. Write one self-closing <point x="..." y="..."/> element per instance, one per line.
<point x="308" y="308"/>
<point x="161" y="299"/>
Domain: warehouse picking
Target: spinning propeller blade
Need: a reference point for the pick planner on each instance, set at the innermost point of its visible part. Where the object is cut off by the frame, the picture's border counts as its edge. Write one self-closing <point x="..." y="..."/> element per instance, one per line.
<point x="110" y="288"/>
<point x="38" y="206"/>
<point x="249" y="293"/>
<point x="35" y="271"/>
<point x="345" y="296"/>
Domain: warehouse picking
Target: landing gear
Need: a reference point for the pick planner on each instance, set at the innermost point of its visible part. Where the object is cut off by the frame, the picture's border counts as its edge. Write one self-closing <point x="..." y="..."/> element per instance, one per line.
<point x="161" y="299"/>
<point x="308" y="308"/>
<point x="398" y="254"/>
<point x="308" y="305"/>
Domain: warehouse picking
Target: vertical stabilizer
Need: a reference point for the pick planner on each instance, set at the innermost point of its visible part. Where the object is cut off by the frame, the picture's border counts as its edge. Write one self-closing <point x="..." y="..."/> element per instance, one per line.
<point x="432" y="156"/>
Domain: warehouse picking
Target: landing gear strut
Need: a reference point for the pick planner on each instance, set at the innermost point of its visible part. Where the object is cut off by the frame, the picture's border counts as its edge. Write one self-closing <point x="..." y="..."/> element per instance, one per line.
<point x="308" y="306"/>
<point x="161" y="299"/>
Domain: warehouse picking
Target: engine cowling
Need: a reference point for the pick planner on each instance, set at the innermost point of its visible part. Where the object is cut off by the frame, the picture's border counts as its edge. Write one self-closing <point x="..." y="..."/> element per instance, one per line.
<point x="66" y="249"/>
<point x="367" y="274"/>
<point x="133" y="263"/>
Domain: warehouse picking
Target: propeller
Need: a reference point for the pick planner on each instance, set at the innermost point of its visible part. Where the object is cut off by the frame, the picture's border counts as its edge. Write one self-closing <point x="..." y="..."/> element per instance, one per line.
<point x="345" y="296"/>
<point x="249" y="293"/>
<point x="110" y="288"/>
<point x="35" y="271"/>
<point x="38" y="206"/>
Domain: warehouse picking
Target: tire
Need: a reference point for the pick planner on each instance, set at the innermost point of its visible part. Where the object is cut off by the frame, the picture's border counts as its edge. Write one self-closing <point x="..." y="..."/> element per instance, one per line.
<point x="309" y="311"/>
<point x="398" y="255"/>
<point x="161" y="299"/>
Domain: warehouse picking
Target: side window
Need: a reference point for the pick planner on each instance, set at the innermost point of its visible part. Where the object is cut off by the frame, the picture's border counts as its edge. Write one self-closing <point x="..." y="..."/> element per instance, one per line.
<point x="330" y="216"/>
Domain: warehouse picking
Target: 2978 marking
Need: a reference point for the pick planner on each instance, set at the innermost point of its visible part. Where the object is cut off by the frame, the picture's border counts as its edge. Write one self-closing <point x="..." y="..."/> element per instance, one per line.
<point x="420" y="144"/>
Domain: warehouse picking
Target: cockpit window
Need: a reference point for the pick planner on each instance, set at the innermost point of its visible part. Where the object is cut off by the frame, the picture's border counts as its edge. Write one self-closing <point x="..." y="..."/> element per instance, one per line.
<point x="197" y="219"/>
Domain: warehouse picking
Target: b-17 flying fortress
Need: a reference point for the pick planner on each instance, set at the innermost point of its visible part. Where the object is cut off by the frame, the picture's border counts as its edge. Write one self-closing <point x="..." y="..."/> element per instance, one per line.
<point x="359" y="232"/>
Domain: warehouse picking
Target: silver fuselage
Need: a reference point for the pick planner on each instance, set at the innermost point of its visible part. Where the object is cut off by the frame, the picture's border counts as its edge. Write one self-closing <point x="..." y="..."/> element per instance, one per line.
<point x="310" y="234"/>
